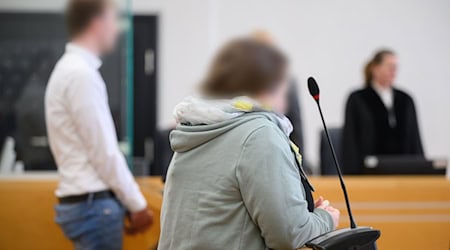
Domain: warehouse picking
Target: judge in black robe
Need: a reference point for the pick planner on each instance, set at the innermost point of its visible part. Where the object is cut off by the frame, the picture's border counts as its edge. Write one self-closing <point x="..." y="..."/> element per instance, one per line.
<point x="373" y="128"/>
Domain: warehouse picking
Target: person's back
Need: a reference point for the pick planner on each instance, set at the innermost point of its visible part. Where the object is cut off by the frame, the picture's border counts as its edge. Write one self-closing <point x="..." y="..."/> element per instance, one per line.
<point x="235" y="180"/>
<point x="222" y="208"/>
<point x="205" y="217"/>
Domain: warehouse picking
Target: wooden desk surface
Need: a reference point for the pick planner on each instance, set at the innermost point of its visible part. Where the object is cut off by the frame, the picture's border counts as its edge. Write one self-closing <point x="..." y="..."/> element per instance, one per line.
<point x="411" y="212"/>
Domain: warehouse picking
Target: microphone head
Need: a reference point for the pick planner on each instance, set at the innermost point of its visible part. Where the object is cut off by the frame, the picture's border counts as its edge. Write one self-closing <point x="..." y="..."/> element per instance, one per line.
<point x="313" y="88"/>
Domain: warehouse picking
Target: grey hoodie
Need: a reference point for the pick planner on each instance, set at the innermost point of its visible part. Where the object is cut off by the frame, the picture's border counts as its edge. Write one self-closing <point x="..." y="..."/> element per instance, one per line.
<point x="235" y="185"/>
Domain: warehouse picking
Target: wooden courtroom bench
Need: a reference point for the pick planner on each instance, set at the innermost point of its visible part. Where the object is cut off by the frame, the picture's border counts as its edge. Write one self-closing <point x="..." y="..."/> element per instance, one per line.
<point x="411" y="212"/>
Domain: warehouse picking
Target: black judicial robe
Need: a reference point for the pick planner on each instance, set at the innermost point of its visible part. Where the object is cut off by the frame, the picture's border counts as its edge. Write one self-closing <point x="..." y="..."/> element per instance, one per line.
<point x="371" y="129"/>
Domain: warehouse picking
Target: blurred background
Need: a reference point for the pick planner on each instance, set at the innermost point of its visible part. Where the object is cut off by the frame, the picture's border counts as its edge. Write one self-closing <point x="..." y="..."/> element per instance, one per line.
<point x="165" y="50"/>
<point x="167" y="46"/>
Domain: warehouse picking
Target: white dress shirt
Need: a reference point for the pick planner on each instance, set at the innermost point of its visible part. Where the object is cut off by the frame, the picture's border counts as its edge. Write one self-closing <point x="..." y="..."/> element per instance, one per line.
<point x="81" y="131"/>
<point x="386" y="95"/>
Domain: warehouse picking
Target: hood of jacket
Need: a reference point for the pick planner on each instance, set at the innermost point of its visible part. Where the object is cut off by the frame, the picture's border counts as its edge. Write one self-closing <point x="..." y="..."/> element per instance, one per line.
<point x="187" y="137"/>
<point x="201" y="120"/>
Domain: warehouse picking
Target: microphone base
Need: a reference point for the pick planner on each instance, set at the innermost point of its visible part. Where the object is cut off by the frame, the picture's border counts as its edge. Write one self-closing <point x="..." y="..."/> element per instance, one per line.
<point x="360" y="238"/>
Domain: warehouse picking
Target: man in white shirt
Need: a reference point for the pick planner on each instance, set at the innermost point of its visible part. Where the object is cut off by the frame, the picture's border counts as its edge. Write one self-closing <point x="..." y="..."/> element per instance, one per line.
<point x="95" y="182"/>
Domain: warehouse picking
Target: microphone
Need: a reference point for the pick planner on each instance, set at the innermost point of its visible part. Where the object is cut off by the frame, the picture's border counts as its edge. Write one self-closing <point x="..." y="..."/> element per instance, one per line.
<point x="361" y="238"/>
<point x="315" y="93"/>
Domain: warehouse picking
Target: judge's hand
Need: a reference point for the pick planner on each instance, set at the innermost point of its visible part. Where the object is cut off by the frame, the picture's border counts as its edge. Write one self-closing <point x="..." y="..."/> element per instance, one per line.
<point x="139" y="221"/>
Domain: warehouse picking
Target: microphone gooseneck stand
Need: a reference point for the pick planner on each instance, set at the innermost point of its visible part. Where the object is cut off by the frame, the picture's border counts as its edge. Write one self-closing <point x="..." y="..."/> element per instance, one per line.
<point x="341" y="179"/>
<point x="353" y="238"/>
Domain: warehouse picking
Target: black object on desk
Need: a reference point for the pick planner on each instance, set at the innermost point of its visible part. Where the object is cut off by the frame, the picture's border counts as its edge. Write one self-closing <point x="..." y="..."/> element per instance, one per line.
<point x="404" y="164"/>
<point x="360" y="238"/>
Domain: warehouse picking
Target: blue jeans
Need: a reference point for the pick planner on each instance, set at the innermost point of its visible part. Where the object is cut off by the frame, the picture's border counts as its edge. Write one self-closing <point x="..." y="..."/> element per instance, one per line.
<point x="92" y="225"/>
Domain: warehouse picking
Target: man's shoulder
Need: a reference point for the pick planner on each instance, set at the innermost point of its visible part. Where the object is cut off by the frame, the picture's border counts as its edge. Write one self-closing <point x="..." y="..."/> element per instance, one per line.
<point x="68" y="70"/>
<point x="72" y="63"/>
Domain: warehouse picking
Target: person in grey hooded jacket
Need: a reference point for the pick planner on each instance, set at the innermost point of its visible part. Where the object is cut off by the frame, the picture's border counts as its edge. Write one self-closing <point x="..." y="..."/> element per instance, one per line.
<point x="235" y="180"/>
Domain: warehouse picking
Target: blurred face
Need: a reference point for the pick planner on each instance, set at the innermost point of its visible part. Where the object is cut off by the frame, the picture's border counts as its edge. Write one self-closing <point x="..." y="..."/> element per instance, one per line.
<point x="106" y="29"/>
<point x="280" y="96"/>
<point x="384" y="73"/>
<point x="277" y="98"/>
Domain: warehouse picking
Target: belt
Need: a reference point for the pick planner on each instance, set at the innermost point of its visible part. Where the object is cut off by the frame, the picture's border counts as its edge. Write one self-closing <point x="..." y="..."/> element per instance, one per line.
<point x="85" y="197"/>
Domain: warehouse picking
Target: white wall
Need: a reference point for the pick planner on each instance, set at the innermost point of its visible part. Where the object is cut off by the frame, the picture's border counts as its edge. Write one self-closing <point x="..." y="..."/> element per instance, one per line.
<point x="328" y="39"/>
